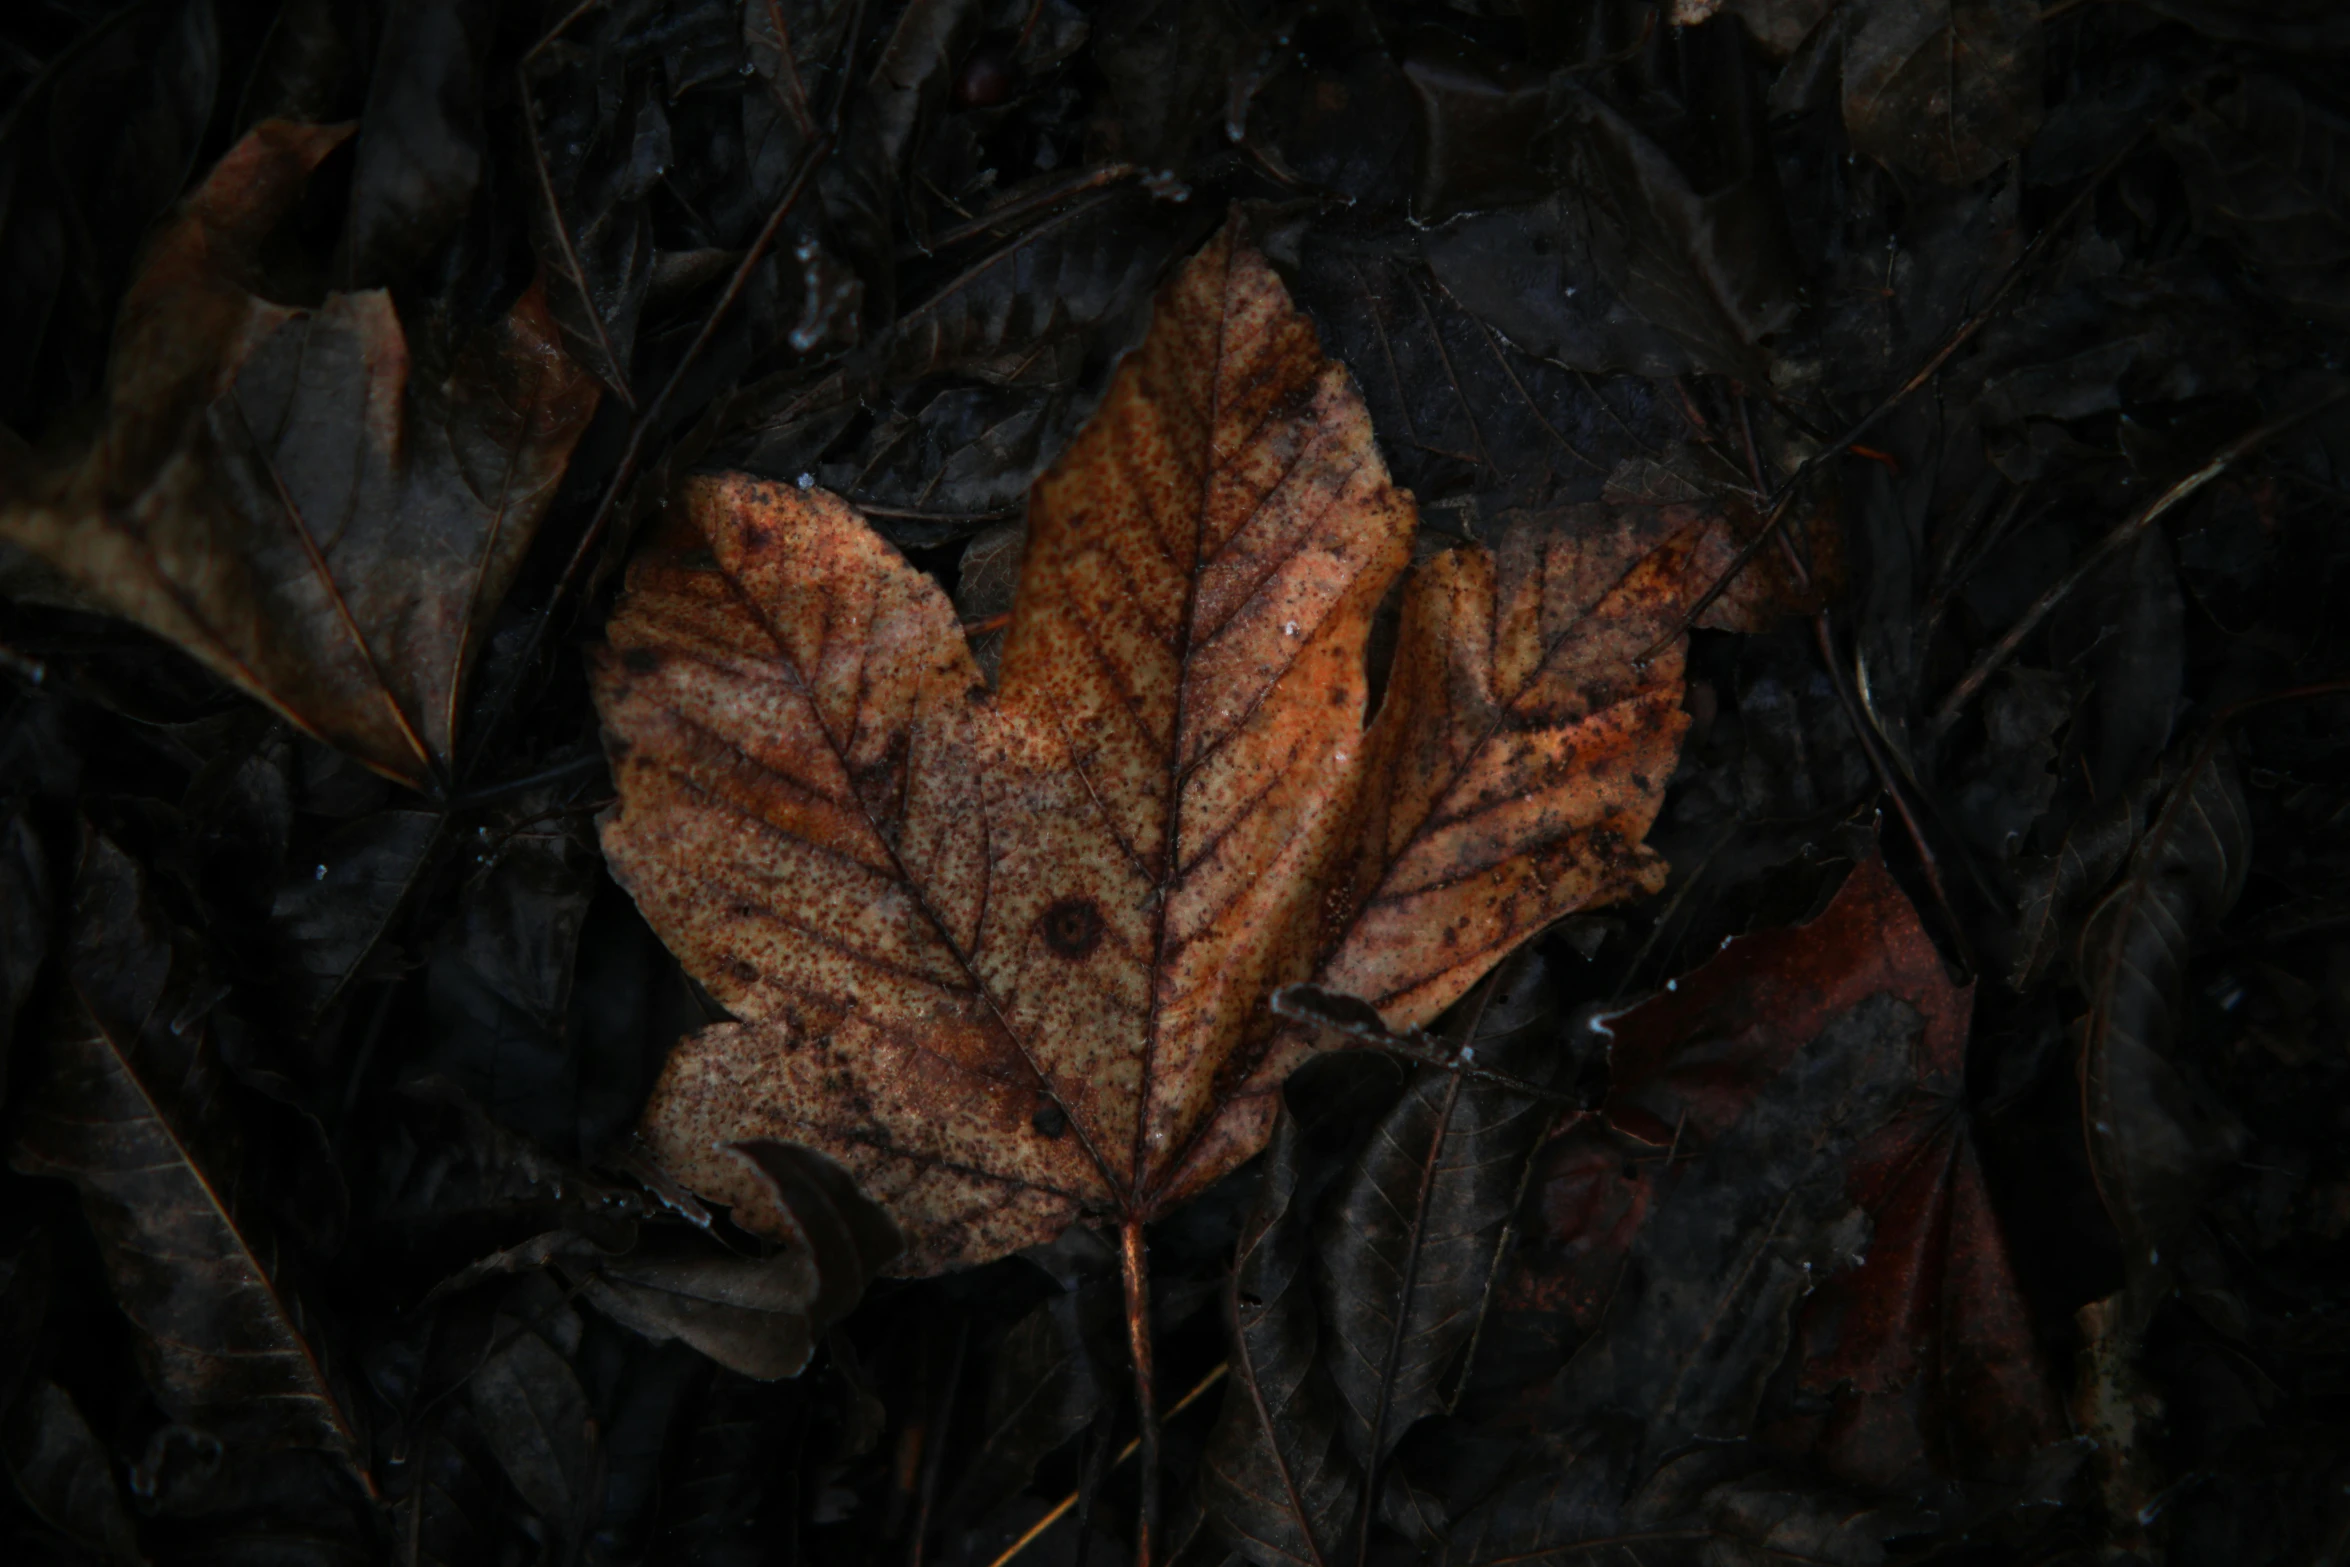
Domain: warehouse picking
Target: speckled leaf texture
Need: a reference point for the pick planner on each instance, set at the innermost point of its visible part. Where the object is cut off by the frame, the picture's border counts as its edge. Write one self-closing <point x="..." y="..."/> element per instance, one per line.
<point x="1005" y="954"/>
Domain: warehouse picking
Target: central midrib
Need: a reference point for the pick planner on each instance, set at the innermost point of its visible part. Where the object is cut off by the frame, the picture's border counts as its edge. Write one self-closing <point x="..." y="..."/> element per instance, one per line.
<point x="1169" y="855"/>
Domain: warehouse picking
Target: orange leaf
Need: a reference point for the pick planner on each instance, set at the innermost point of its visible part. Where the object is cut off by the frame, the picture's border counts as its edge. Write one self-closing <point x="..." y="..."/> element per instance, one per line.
<point x="1006" y="955"/>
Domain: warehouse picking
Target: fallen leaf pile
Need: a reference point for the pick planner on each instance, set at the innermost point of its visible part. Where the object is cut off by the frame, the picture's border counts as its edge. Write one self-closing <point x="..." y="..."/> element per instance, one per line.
<point x="1166" y="783"/>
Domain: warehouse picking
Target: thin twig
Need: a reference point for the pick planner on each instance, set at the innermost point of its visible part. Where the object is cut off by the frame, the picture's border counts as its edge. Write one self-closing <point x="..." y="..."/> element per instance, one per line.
<point x="2123" y="536"/>
<point x="1782" y="499"/>
<point x="1019" y="207"/>
<point x="1037" y="1529"/>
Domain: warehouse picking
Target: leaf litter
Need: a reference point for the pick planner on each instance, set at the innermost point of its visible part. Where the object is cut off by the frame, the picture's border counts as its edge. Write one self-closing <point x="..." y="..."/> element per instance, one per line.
<point x="1894" y="1119"/>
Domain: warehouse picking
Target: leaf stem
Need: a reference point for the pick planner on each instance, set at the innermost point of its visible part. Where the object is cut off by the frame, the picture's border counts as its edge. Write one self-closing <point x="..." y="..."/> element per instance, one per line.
<point x="1134" y="1267"/>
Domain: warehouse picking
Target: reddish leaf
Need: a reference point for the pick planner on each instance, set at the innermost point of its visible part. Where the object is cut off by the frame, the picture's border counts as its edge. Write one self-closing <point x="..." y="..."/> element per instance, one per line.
<point x="1923" y="1351"/>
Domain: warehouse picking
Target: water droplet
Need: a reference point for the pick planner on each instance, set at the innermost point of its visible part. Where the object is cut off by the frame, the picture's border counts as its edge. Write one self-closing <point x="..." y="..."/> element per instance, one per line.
<point x="319" y="874"/>
<point x="807" y="481"/>
<point x="1289" y="628"/>
<point x="1672" y="984"/>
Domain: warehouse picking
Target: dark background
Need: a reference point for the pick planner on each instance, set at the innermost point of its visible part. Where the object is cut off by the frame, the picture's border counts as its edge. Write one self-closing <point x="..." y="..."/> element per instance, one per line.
<point x="1967" y="285"/>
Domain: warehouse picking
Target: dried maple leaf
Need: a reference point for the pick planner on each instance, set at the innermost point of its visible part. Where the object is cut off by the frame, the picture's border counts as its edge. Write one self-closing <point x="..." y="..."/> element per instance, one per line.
<point x="319" y="508"/>
<point x="1005" y="956"/>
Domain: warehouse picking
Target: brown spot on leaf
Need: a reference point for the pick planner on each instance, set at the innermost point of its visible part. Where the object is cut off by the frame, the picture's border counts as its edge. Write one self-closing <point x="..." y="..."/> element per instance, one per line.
<point x="1171" y="805"/>
<point x="1072" y="927"/>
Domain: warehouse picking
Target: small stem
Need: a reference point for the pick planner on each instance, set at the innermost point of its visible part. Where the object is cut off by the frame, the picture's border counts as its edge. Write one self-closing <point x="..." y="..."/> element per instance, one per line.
<point x="1134" y="1264"/>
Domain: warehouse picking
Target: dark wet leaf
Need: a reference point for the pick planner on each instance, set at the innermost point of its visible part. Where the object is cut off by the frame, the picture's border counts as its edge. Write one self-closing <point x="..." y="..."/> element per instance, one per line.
<point x="26" y="910"/>
<point x="2126" y="631"/>
<point x="1466" y="415"/>
<point x="320" y="505"/>
<point x="65" y="1476"/>
<point x="2056" y="887"/>
<point x="2281" y="24"/>
<point x="2155" y="1134"/>
<point x="911" y="81"/>
<point x="1945" y="90"/>
<point x="1277" y="1481"/>
<point x="2130" y="342"/>
<point x="1511" y="269"/>
<point x="1478" y="113"/>
<point x="2009" y="783"/>
<point x="100" y="145"/>
<point x="1711" y="1506"/>
<point x="2265" y="167"/>
<point x="535" y="1419"/>
<point x="1706" y="1303"/>
<point x="449" y="1161"/>
<point x="137" y="1110"/>
<point x="420" y="137"/>
<point x="720" y="1469"/>
<point x="1920" y="1351"/>
<point x="448" y="1511"/>
<point x="598" y="143"/>
<point x="1170" y="65"/>
<point x="750" y="1314"/>
<point x="847" y="1238"/>
<point x="999" y="364"/>
<point x="1407" y="1248"/>
<point x="330" y="913"/>
<point x="25" y="1280"/>
<point x="499" y="986"/>
<point x="1693" y="231"/>
<point x="1046" y="1388"/>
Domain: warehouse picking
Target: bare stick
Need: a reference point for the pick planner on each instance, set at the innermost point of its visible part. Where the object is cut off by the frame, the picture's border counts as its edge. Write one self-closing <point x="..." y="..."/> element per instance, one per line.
<point x="2122" y="537"/>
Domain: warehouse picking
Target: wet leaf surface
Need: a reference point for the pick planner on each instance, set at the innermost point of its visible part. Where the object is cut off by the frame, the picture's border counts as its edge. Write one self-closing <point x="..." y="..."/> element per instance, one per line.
<point x="136" y="1108"/>
<point x="1083" y="885"/>
<point x="1996" y="345"/>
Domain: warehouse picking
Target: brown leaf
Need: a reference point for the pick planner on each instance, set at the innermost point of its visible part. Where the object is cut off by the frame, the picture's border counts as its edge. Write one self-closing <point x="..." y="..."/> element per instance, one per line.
<point x="1006" y="957"/>
<point x="318" y="508"/>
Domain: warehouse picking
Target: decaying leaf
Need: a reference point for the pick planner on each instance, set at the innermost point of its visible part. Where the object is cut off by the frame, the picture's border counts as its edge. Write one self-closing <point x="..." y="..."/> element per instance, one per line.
<point x="62" y="1471"/>
<point x="317" y="506"/>
<point x="1944" y="89"/>
<point x="138" y="1111"/>
<point x="2155" y="1137"/>
<point x="1005" y="956"/>
<point x="1919" y="1357"/>
<point x="1352" y="1307"/>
